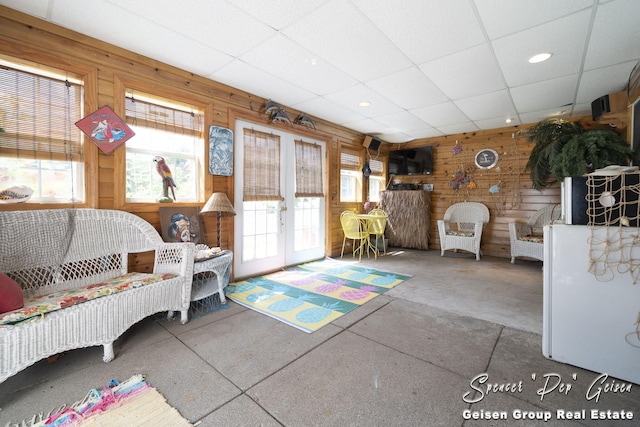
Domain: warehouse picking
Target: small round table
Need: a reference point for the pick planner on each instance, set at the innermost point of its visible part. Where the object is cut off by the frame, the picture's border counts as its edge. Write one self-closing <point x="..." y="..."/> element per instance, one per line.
<point x="211" y="275"/>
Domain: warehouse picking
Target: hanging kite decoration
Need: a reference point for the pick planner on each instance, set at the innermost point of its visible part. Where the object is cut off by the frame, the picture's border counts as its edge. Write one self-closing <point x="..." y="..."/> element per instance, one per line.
<point x="276" y="113"/>
<point x="105" y="129"/>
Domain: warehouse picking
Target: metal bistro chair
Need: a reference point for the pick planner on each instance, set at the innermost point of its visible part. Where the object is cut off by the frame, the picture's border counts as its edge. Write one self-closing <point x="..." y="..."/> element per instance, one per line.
<point x="353" y="229"/>
<point x="377" y="227"/>
<point x="470" y="218"/>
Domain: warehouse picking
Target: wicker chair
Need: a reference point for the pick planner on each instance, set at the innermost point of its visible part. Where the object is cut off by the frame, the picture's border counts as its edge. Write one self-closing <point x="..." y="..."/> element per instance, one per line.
<point x="526" y="239"/>
<point x="353" y="229"/>
<point x="470" y="218"/>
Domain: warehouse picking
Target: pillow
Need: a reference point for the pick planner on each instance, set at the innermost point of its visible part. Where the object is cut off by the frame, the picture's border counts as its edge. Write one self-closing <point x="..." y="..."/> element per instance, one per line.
<point x="11" y="297"/>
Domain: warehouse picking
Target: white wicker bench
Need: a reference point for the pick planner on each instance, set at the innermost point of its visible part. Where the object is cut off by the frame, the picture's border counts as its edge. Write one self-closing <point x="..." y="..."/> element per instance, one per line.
<point x="63" y="250"/>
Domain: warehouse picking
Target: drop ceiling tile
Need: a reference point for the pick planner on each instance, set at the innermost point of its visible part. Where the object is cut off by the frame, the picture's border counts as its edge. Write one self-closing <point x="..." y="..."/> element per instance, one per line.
<point x="467" y="73"/>
<point x="159" y="44"/>
<point x="581" y="110"/>
<point x="215" y="23"/>
<point x="425" y="30"/>
<point x="440" y="115"/>
<point x="537" y="116"/>
<point x="539" y="96"/>
<point x="366" y="126"/>
<point x="287" y="60"/>
<point x="343" y="36"/>
<point x="328" y="110"/>
<point x="615" y="34"/>
<point x="395" y="138"/>
<point x="424" y="133"/>
<point x="564" y="38"/>
<point x="507" y="17"/>
<point x="486" y="106"/>
<point x="409" y="88"/>
<point x="240" y="74"/>
<point x="36" y="8"/>
<point x="280" y="14"/>
<point x="603" y="81"/>
<point x="458" y="128"/>
<point x="350" y="98"/>
<point x="496" y="123"/>
<point x="403" y="121"/>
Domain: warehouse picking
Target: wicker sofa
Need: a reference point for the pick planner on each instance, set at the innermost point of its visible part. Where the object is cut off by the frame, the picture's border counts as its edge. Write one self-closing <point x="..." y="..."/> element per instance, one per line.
<point x="73" y="268"/>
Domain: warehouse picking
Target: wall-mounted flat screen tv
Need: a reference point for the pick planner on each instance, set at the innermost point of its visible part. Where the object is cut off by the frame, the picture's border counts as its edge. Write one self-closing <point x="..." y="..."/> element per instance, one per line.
<point x="413" y="161"/>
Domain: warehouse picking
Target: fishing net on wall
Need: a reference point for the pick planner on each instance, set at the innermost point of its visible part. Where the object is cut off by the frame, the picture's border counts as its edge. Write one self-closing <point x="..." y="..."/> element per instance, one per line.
<point x="612" y="205"/>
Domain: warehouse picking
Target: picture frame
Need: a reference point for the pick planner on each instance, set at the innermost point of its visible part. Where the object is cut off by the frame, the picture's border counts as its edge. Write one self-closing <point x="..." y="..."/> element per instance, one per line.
<point x="105" y="129"/>
<point x="181" y="224"/>
<point x="220" y="151"/>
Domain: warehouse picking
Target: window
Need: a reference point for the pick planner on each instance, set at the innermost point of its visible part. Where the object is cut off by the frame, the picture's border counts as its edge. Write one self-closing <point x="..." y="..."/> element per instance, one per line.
<point x="350" y="175"/>
<point x="376" y="180"/>
<point x="168" y="130"/>
<point x="40" y="146"/>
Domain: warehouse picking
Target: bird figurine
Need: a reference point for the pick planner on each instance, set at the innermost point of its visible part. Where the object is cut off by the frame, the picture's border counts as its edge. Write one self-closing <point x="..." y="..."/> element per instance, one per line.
<point x="167" y="179"/>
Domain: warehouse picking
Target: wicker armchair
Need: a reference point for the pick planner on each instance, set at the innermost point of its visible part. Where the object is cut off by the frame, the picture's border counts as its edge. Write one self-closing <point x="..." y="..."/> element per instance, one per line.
<point x="469" y="219"/>
<point x="526" y="239"/>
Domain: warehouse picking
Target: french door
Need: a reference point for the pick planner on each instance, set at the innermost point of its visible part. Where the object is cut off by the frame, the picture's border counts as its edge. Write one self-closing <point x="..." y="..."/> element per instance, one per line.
<point x="285" y="230"/>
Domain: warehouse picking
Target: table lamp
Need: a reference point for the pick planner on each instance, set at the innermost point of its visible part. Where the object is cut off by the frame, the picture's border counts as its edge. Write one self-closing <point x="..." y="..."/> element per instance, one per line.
<point x="218" y="204"/>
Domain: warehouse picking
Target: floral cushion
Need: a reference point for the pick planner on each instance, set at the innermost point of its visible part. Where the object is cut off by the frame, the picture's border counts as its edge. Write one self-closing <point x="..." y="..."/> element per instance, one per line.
<point x="533" y="239"/>
<point x="460" y="233"/>
<point x="57" y="300"/>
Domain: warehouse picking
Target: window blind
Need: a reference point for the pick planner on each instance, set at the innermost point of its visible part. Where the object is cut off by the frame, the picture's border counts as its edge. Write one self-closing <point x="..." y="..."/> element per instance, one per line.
<point x="350" y="159"/>
<point x="38" y="117"/>
<point x="261" y="166"/>
<point x="147" y="114"/>
<point x="308" y="170"/>
<point x="376" y="166"/>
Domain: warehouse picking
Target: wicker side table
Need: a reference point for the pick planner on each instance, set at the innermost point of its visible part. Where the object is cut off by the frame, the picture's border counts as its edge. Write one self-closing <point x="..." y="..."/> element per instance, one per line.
<point x="211" y="276"/>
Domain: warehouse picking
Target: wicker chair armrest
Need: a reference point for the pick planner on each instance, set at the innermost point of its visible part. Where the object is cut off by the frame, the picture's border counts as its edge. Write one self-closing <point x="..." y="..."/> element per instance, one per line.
<point x="477" y="228"/>
<point x="175" y="258"/>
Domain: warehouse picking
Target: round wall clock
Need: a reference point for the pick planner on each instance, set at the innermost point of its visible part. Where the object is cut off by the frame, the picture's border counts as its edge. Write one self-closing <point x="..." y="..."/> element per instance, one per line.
<point x="487" y="158"/>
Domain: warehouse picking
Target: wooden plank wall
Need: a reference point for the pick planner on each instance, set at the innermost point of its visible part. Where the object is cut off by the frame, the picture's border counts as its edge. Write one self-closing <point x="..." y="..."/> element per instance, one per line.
<point x="28" y="37"/>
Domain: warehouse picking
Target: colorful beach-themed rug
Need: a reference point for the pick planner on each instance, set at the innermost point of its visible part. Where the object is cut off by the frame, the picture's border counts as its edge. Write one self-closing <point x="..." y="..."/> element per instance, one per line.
<point x="132" y="403"/>
<point x="312" y="295"/>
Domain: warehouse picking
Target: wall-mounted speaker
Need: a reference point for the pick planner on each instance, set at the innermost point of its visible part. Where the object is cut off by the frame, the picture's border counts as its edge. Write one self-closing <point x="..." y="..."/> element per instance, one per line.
<point x="369" y="142"/>
<point x="599" y="107"/>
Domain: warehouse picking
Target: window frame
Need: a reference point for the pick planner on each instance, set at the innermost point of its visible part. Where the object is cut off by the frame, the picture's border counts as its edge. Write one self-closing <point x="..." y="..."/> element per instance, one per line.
<point x="356" y="173"/>
<point x="122" y="84"/>
<point x="89" y="78"/>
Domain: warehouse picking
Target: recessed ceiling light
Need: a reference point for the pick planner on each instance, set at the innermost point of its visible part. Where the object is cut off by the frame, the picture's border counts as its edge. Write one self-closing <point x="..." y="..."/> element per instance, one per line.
<point x="539" y="58"/>
<point x="364" y="104"/>
<point x="508" y="120"/>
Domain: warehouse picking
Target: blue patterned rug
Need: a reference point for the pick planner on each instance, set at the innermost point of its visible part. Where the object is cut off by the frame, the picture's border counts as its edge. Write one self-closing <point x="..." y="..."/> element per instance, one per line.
<point x="312" y="295"/>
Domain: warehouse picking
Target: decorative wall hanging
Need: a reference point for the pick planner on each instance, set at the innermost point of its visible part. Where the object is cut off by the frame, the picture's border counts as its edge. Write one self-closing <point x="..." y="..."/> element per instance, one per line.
<point x="181" y="224"/>
<point x="306" y="121"/>
<point x="487" y="158"/>
<point x="105" y="129"/>
<point x="220" y="151"/>
<point x="276" y="113"/>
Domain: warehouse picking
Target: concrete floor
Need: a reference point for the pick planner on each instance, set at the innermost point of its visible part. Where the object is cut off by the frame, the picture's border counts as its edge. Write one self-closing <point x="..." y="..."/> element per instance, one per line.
<point x="405" y="358"/>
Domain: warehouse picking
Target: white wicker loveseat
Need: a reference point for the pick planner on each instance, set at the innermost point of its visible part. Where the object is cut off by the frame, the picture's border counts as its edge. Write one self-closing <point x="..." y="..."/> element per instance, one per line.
<point x="469" y="219"/>
<point x="82" y="255"/>
<point x="526" y="239"/>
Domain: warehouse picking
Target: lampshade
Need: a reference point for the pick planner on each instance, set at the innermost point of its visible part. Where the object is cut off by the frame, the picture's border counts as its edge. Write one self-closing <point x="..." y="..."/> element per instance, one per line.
<point x="218" y="203"/>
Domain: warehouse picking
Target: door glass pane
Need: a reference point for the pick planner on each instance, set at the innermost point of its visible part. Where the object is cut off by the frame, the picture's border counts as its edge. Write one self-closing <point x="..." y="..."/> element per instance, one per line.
<point x="307" y="219"/>
<point x="260" y="225"/>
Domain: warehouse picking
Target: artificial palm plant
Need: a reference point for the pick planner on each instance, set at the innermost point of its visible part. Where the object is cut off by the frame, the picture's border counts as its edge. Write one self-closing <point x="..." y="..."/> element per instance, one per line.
<point x="589" y="151"/>
<point x="549" y="136"/>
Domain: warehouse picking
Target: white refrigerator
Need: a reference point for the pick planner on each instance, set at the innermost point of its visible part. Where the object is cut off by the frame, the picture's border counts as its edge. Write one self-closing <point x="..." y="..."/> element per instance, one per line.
<point x="592" y="320"/>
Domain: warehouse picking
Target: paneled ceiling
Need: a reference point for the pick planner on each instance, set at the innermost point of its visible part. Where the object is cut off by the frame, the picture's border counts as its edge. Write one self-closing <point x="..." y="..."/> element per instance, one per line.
<point x="427" y="67"/>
